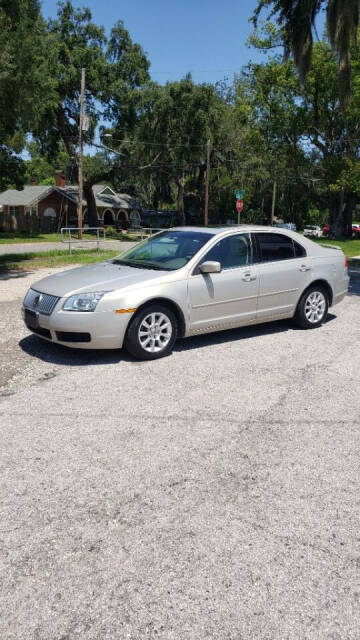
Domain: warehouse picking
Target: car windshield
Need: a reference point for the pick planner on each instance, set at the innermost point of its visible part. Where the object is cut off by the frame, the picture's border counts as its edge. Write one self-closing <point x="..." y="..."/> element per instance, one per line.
<point x="167" y="251"/>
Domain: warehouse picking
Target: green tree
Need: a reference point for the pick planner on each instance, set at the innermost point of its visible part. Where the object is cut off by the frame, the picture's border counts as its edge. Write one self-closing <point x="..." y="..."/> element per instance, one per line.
<point x="168" y="143"/>
<point x="40" y="169"/>
<point x="24" y="82"/>
<point x="311" y="139"/>
<point x="12" y="170"/>
<point x="114" y="68"/>
<point x="296" y="18"/>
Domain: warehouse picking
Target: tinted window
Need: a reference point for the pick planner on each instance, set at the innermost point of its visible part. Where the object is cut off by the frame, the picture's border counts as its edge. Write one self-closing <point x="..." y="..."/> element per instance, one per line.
<point x="231" y="252"/>
<point x="274" y="246"/>
<point x="299" y="250"/>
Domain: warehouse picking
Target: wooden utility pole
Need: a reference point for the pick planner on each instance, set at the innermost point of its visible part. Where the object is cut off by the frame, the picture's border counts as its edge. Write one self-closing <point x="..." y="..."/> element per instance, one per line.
<point x="206" y="212"/>
<point x="81" y="179"/>
<point x="273" y="203"/>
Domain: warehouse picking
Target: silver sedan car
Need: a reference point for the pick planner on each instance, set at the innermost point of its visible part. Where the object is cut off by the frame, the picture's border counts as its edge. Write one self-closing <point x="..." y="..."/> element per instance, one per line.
<point x="186" y="281"/>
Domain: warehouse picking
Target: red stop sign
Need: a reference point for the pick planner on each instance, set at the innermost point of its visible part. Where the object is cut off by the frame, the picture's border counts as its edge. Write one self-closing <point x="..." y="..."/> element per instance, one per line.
<point x="239" y="205"/>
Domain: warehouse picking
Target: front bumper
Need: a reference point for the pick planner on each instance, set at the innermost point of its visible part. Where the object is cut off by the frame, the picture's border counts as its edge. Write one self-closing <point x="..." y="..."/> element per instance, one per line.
<point x="79" y="329"/>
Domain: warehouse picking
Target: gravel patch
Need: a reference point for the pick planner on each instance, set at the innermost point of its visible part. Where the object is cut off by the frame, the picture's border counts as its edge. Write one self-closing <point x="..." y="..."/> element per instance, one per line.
<point x="210" y="495"/>
<point x="14" y="284"/>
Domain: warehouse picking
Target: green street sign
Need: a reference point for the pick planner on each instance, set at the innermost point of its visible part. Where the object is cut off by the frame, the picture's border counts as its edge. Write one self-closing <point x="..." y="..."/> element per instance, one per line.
<point x="240" y="194"/>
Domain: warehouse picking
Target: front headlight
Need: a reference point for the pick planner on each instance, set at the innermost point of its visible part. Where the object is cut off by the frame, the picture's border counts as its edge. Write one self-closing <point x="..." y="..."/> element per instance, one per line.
<point x="83" y="301"/>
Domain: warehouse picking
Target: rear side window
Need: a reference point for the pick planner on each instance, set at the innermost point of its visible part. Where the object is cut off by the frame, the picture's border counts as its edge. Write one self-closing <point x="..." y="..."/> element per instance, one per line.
<point x="274" y="246"/>
<point x="299" y="250"/>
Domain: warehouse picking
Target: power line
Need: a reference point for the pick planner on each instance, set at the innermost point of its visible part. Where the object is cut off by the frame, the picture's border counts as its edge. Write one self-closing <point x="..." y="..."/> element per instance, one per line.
<point x="158" y="144"/>
<point x="196" y="71"/>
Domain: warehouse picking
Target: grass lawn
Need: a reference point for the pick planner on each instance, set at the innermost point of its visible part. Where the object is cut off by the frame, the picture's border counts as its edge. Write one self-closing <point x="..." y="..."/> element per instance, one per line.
<point x="45" y="259"/>
<point x="349" y="246"/>
<point x="22" y="237"/>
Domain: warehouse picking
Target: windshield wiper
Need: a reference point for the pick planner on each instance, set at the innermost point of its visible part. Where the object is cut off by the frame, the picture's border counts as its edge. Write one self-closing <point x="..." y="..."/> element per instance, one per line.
<point x="139" y="265"/>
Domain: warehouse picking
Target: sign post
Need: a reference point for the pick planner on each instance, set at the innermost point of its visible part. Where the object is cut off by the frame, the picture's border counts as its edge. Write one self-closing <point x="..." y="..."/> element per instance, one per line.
<point x="239" y="193"/>
<point x="239" y="207"/>
<point x="239" y="201"/>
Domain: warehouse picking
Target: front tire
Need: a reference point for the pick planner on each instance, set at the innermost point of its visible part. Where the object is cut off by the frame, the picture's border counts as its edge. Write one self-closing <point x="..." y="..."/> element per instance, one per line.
<point x="152" y="333"/>
<point x="312" y="309"/>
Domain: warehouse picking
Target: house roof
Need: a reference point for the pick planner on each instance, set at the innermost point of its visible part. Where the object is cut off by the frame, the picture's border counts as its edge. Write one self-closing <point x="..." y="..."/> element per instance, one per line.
<point x="26" y="197"/>
<point x="71" y="192"/>
<point x="104" y="196"/>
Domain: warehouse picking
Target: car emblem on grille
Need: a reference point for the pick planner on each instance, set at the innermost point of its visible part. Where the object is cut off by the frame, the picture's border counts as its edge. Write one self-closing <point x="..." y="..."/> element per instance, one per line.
<point x="37" y="300"/>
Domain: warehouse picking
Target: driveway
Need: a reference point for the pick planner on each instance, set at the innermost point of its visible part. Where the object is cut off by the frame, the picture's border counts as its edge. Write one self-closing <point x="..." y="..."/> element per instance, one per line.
<point x="213" y="494"/>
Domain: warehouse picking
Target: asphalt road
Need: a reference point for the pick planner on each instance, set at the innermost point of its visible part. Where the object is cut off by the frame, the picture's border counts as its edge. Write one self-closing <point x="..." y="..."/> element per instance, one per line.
<point x="213" y="494"/>
<point x="28" y="247"/>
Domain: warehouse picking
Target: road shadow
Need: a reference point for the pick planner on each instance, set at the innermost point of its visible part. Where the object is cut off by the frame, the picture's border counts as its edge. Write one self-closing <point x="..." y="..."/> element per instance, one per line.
<point x="69" y="356"/>
<point x="14" y="275"/>
<point x="72" y="357"/>
<point x="242" y="333"/>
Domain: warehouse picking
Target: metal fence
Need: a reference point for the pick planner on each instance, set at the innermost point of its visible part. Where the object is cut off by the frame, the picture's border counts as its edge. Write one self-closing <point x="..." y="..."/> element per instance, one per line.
<point x="145" y="231"/>
<point x="71" y="236"/>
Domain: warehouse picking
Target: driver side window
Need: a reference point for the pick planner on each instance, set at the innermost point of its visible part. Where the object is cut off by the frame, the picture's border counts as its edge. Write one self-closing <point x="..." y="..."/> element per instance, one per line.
<point x="232" y="252"/>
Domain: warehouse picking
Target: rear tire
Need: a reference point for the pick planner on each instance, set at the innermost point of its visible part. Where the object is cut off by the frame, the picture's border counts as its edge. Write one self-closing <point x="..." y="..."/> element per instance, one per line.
<point x="312" y="308"/>
<point x="152" y="333"/>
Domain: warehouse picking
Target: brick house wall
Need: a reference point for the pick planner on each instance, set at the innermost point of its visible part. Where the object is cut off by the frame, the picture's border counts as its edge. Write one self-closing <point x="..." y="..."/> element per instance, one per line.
<point x="26" y="218"/>
<point x="19" y="218"/>
<point x="63" y="208"/>
<point x="120" y="217"/>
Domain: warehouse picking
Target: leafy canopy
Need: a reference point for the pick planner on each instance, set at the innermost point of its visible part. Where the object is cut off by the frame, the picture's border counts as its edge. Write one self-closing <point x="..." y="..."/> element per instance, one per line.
<point x="296" y="19"/>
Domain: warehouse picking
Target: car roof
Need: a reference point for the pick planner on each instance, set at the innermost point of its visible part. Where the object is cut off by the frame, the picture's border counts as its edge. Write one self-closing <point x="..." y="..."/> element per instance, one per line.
<point x="312" y="248"/>
<point x="238" y="227"/>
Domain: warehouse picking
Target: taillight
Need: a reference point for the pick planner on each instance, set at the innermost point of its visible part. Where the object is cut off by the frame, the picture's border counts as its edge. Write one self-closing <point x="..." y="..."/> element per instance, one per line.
<point x="346" y="263"/>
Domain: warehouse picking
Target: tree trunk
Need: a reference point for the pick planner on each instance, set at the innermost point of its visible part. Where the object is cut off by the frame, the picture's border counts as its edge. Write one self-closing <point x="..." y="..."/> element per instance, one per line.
<point x="92" y="213"/>
<point x="337" y="223"/>
<point x="341" y="212"/>
<point x="351" y="201"/>
<point x="181" y="184"/>
<point x="273" y="203"/>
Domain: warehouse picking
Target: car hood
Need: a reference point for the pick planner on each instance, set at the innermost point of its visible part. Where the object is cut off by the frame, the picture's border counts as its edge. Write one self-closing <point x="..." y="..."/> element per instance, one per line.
<point x="103" y="276"/>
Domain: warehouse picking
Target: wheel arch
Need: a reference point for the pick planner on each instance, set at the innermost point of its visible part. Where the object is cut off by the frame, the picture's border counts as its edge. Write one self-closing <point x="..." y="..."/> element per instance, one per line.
<point x="321" y="283"/>
<point x="170" y="304"/>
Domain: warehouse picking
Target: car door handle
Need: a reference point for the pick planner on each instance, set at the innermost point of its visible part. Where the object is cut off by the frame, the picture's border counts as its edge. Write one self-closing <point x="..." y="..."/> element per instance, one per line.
<point x="249" y="277"/>
<point x="304" y="268"/>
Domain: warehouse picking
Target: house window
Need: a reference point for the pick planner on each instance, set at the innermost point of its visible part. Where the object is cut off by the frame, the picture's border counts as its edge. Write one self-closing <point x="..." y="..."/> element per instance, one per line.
<point x="14" y="211"/>
<point x="30" y="211"/>
<point x="50" y="213"/>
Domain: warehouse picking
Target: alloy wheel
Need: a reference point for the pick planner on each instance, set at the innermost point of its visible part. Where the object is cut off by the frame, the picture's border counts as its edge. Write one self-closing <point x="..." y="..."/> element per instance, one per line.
<point x="155" y="332"/>
<point x="315" y="306"/>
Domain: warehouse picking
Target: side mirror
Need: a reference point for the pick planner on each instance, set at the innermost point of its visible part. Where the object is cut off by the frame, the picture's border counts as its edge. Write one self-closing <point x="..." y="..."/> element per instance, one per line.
<point x="210" y="267"/>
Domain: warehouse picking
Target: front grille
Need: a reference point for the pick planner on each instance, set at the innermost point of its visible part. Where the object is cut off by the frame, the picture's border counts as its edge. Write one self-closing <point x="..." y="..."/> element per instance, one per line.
<point x="40" y="302"/>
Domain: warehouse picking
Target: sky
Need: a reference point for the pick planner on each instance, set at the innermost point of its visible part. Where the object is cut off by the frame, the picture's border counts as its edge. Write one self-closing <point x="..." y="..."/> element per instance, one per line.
<point x="206" y="37"/>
